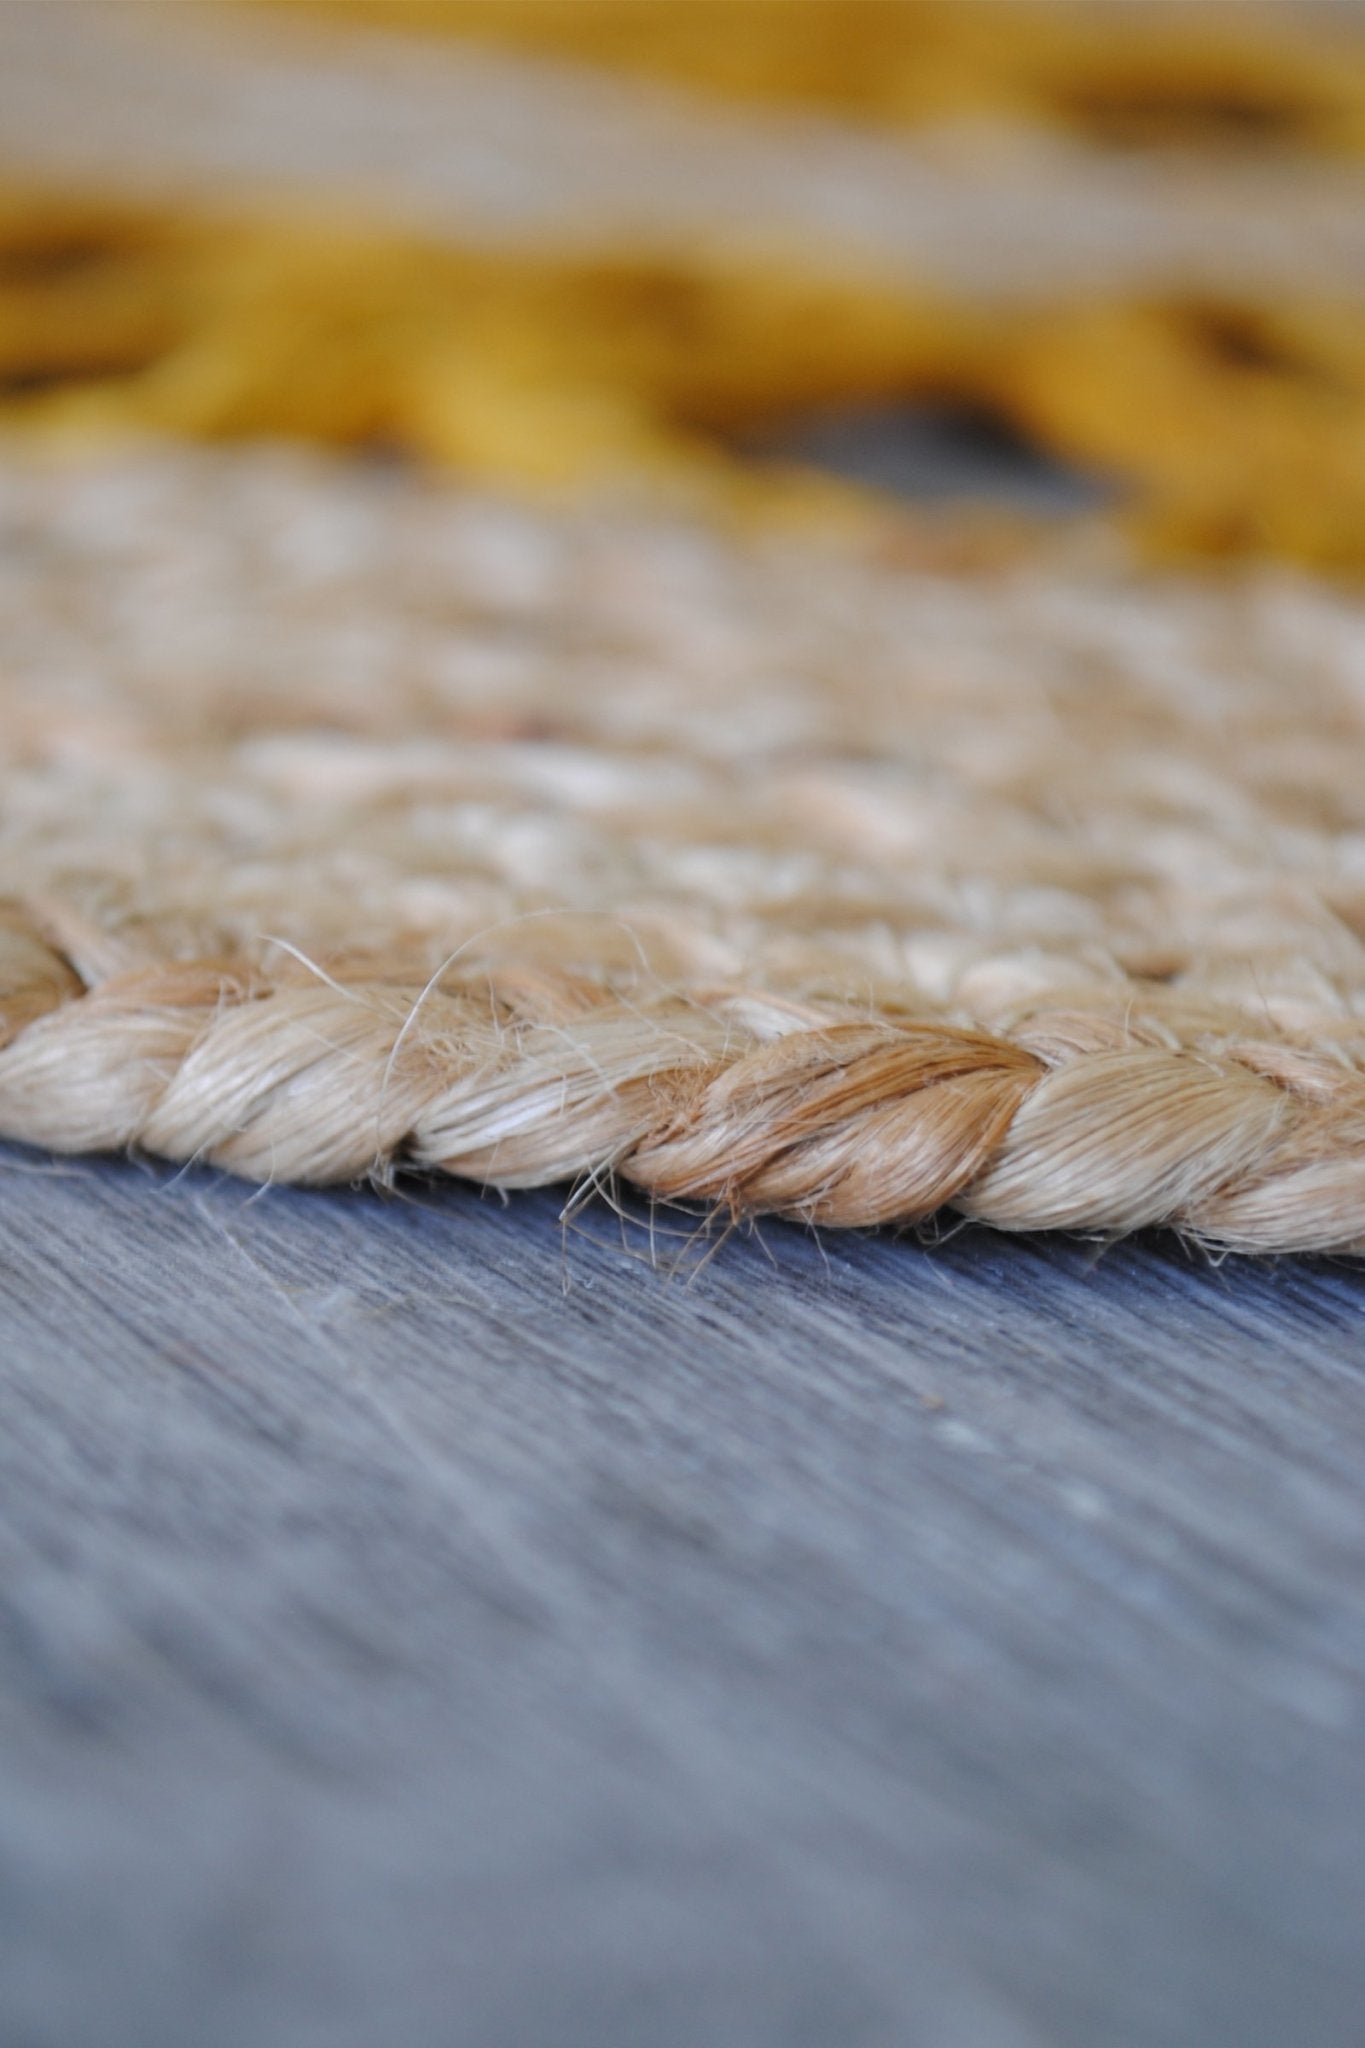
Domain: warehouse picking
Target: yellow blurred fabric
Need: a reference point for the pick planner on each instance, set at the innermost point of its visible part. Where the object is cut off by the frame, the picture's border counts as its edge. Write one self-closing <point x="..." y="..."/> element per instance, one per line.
<point x="1229" y="425"/>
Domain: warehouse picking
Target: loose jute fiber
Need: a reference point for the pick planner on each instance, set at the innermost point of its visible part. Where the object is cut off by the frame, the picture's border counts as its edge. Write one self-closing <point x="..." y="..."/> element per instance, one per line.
<point x="354" y="823"/>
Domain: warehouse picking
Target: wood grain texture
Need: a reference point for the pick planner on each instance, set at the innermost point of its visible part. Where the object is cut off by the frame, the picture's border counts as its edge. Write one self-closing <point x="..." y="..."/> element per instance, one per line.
<point x="422" y="1625"/>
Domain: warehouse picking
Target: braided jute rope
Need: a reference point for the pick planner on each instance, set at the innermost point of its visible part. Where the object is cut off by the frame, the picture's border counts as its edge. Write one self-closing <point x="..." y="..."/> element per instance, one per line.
<point x="352" y="826"/>
<point x="836" y="1123"/>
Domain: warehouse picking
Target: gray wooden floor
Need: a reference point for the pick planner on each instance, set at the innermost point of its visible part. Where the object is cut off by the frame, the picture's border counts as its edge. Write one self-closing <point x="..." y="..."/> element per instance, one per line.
<point x="421" y="1625"/>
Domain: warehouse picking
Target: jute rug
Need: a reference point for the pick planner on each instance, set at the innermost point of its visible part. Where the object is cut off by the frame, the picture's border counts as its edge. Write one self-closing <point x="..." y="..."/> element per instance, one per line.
<point x="700" y="828"/>
<point x="354" y="824"/>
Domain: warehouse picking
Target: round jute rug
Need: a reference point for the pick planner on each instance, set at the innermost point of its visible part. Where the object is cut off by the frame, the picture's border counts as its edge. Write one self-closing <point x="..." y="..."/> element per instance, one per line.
<point x="354" y="822"/>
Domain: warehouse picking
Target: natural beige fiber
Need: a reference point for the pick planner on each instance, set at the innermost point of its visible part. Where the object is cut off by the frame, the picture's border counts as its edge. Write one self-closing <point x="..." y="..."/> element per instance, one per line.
<point x="351" y="824"/>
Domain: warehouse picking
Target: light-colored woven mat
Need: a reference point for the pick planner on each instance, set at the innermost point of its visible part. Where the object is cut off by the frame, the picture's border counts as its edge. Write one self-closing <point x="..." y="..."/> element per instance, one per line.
<point x="352" y="823"/>
<point x="747" y="843"/>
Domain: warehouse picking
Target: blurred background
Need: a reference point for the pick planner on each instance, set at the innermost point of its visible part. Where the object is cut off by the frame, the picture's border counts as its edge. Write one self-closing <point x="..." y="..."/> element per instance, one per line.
<point x="1089" y="260"/>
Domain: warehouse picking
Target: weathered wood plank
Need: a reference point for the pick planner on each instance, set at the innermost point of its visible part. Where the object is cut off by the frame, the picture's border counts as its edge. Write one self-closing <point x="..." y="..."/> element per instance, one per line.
<point x="422" y="1624"/>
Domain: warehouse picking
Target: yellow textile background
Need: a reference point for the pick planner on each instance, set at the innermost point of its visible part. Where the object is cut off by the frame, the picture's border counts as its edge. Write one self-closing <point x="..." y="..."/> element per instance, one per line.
<point x="1228" y="424"/>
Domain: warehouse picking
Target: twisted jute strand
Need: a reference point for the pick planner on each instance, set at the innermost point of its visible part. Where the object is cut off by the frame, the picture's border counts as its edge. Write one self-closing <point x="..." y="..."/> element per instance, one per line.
<point x="841" y="1124"/>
